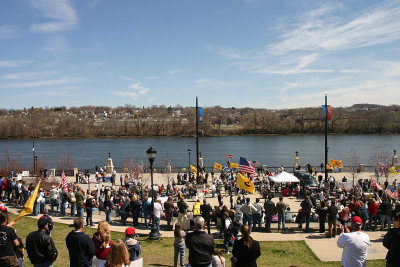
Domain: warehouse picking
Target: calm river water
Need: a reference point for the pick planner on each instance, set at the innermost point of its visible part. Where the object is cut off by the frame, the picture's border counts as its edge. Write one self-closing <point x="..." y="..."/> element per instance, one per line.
<point x="269" y="150"/>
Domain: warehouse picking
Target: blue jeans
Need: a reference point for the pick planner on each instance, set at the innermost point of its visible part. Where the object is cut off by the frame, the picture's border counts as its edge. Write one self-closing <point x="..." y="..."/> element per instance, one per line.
<point x="124" y="216"/>
<point x="53" y="203"/>
<point x="308" y="217"/>
<point x="108" y="216"/>
<point x="169" y="217"/>
<point x="89" y="213"/>
<point x="157" y="224"/>
<point x="281" y="219"/>
<point x="227" y="240"/>
<point x="62" y="208"/>
<point x="248" y="219"/>
<point x="79" y="211"/>
<point x="179" y="249"/>
<point x="73" y="205"/>
<point x="35" y="209"/>
<point x="44" y="264"/>
<point x="145" y="219"/>
<point x="388" y="221"/>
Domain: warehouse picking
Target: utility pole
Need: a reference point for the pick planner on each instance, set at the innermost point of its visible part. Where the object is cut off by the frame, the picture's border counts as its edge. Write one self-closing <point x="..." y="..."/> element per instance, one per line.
<point x="326" y="137"/>
<point x="197" y="142"/>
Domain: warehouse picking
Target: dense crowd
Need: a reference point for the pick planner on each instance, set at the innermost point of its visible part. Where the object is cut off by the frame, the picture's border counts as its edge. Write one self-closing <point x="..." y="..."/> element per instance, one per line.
<point x="361" y="207"/>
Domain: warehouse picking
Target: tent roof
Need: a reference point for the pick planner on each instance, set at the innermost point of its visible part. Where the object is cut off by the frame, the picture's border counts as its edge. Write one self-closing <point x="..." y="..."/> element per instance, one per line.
<point x="284" y="177"/>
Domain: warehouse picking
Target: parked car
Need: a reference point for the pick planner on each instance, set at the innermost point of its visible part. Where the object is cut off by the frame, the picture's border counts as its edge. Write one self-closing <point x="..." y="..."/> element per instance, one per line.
<point x="306" y="179"/>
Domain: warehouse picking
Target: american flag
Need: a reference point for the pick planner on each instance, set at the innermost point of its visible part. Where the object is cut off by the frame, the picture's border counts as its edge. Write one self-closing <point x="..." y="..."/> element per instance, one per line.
<point x="63" y="181"/>
<point x="245" y="166"/>
<point x="391" y="192"/>
<point x="228" y="156"/>
<point x="375" y="184"/>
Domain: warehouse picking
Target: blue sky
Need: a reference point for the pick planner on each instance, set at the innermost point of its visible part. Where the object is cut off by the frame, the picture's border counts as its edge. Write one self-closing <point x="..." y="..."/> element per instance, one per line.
<point x="242" y="53"/>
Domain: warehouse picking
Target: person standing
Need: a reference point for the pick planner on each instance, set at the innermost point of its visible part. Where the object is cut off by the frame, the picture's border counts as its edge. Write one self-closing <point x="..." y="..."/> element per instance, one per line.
<point x="248" y="210"/>
<point x="196" y="208"/>
<point x="146" y="206"/>
<point x="386" y="213"/>
<point x="281" y="209"/>
<point x="80" y="246"/>
<point x="306" y="206"/>
<point x="355" y="244"/>
<point x="108" y="207"/>
<point x="227" y="232"/>
<point x="246" y="250"/>
<point x="258" y="214"/>
<point x="332" y="214"/>
<point x="8" y="241"/>
<point x="169" y="209"/>
<point x="49" y="222"/>
<point x="157" y="215"/>
<point x="79" y="202"/>
<point x="373" y="208"/>
<point x="179" y="245"/>
<point x="322" y="211"/>
<point x="269" y="207"/>
<point x="205" y="211"/>
<point x="132" y="244"/>
<point x="182" y="210"/>
<point x="72" y="201"/>
<point x="40" y="247"/>
<point x="391" y="241"/>
<point x="89" y="210"/>
<point x="200" y="244"/>
<point x="63" y="200"/>
<point x="135" y="210"/>
<point x="54" y="195"/>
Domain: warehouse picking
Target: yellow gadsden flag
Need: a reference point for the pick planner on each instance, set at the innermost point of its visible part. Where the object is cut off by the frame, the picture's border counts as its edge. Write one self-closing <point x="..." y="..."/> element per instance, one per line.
<point x="245" y="184"/>
<point x="234" y="166"/>
<point x="393" y="170"/>
<point x="193" y="169"/>
<point x="28" y="208"/>
<point x="335" y="163"/>
<point x="217" y="166"/>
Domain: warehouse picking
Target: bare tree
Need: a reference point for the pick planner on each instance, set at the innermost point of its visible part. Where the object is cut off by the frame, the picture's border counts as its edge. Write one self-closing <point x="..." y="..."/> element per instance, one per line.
<point x="353" y="163"/>
<point x="135" y="168"/>
<point x="10" y="163"/>
<point x="381" y="161"/>
<point x="166" y="164"/>
<point x="66" y="162"/>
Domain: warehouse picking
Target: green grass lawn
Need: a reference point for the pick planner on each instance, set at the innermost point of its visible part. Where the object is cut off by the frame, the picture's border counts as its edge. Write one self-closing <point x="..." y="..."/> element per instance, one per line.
<point x="161" y="252"/>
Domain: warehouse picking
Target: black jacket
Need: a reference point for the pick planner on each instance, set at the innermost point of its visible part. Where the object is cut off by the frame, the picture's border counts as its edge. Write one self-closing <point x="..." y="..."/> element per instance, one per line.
<point x="40" y="247"/>
<point x="201" y="247"/>
<point x="246" y="257"/>
<point x="391" y="241"/>
<point x="81" y="249"/>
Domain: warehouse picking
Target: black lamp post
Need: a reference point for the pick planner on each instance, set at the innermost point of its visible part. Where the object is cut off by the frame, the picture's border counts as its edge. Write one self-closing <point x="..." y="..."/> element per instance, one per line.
<point x="189" y="152"/>
<point x="109" y="154"/>
<point x="151" y="153"/>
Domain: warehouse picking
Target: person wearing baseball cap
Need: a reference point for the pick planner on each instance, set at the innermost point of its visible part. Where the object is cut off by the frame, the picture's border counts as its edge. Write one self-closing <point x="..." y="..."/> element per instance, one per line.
<point x="132" y="244"/>
<point x="355" y="244"/>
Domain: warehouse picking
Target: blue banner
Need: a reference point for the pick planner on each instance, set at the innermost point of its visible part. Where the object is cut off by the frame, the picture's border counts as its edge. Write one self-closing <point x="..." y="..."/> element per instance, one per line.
<point x="200" y="115"/>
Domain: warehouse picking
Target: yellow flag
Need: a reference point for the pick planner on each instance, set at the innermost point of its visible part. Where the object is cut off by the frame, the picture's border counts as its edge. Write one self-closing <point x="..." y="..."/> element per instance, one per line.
<point x="28" y="208"/>
<point x="245" y="184"/>
<point x="193" y="169"/>
<point x="234" y="166"/>
<point x="217" y="166"/>
<point x="393" y="170"/>
<point x="335" y="163"/>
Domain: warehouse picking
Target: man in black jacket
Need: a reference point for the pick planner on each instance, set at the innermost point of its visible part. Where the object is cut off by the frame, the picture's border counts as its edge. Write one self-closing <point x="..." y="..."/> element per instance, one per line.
<point x="80" y="246"/>
<point x="40" y="247"/>
<point x="205" y="211"/>
<point x="200" y="244"/>
<point x="391" y="241"/>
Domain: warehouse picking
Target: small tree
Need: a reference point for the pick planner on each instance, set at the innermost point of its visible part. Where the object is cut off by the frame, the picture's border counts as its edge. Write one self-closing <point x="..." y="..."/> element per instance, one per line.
<point x="10" y="163"/>
<point x="381" y="161"/>
<point x="66" y="162"/>
<point x="166" y="164"/>
<point x="353" y="163"/>
<point x="134" y="167"/>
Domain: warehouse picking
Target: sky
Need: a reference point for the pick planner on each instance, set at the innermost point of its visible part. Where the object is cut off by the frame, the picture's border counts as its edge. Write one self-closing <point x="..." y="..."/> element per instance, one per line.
<point x="231" y="53"/>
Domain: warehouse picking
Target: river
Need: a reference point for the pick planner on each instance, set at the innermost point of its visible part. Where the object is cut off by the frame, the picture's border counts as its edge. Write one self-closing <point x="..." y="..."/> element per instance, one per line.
<point x="269" y="150"/>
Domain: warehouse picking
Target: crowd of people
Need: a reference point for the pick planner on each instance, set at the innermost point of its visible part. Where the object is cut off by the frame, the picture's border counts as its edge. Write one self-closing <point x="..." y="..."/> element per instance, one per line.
<point x="348" y="211"/>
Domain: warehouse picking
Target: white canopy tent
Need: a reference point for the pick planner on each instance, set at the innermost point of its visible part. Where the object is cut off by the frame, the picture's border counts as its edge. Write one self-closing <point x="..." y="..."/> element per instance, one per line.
<point x="284" y="177"/>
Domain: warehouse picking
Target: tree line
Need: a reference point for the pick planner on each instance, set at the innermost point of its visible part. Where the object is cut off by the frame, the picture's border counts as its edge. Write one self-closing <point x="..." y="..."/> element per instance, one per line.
<point x="131" y="121"/>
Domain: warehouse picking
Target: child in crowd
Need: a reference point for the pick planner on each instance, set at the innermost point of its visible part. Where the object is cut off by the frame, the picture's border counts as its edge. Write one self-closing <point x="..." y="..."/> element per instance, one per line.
<point x="132" y="244"/>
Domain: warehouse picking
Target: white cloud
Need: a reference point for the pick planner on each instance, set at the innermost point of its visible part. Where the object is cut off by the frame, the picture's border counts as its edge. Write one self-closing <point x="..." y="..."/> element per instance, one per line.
<point x="140" y="89"/>
<point x="318" y="32"/>
<point x="61" y="12"/>
<point x="307" y="60"/>
<point x="293" y="71"/>
<point x="126" y="78"/>
<point x="14" y="63"/>
<point x="63" y="80"/>
<point x="132" y="95"/>
<point x="8" y="31"/>
<point x="28" y="75"/>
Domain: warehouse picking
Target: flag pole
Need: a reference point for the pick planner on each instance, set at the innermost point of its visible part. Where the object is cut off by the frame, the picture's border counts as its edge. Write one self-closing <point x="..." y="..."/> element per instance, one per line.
<point x="326" y="138"/>
<point x="197" y="141"/>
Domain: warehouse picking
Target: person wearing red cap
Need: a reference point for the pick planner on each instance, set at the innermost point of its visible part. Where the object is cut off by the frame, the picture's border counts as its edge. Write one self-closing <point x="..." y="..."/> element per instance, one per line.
<point x="132" y="244"/>
<point x="355" y="244"/>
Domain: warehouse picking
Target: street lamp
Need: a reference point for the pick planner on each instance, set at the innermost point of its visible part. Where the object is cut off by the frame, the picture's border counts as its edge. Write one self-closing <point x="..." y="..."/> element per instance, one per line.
<point x="151" y="154"/>
<point x="109" y="155"/>
<point x="189" y="152"/>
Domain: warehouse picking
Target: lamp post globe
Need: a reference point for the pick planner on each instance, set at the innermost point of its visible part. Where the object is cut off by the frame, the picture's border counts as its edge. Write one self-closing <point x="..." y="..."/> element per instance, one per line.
<point x="151" y="154"/>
